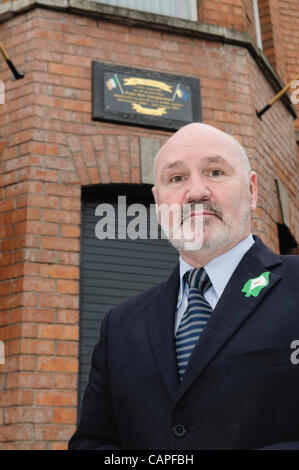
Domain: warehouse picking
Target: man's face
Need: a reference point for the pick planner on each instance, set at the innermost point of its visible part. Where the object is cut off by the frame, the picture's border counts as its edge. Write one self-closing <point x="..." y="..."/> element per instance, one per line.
<point x="202" y="165"/>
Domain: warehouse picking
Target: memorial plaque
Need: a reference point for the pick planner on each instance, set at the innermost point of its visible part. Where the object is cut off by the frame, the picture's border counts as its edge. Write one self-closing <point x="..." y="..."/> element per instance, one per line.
<point x="145" y="98"/>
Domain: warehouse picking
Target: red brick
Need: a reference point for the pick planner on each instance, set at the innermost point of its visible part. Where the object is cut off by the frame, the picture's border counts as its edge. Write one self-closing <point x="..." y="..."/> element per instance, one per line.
<point x="30" y="299"/>
<point x="66" y="381"/>
<point x="68" y="258"/>
<point x="56" y="243"/>
<point x="56" y="398"/>
<point x="62" y="190"/>
<point x="135" y="175"/>
<point x="34" y="346"/>
<point x="16" y="432"/>
<point x="53" y="432"/>
<point x="93" y="175"/>
<point x="70" y="204"/>
<point x="68" y="287"/>
<point x="26" y="363"/>
<point x="38" y="315"/>
<point x="72" y="231"/>
<point x="9" y="272"/>
<point x="57" y="364"/>
<point x="41" y="228"/>
<point x="52" y="215"/>
<point x="81" y="169"/>
<point x="63" y="300"/>
<point x="65" y="332"/>
<point x="7" y="205"/>
<point x="28" y="415"/>
<point x="39" y="285"/>
<point x="62" y="445"/>
<point x="115" y="174"/>
<point x="58" y="271"/>
<point x="5" y="288"/>
<point x="63" y="69"/>
<point x="29" y="380"/>
<point x="64" y="415"/>
<point x="98" y="142"/>
<point x="68" y="316"/>
<point x="67" y="348"/>
<point x="16" y="397"/>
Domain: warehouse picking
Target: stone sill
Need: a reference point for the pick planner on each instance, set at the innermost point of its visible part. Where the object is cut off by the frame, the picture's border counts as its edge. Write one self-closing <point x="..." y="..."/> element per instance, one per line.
<point x="168" y="24"/>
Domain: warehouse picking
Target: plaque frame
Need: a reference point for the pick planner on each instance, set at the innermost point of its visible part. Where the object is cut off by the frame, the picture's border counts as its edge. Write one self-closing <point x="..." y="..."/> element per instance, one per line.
<point x="154" y="122"/>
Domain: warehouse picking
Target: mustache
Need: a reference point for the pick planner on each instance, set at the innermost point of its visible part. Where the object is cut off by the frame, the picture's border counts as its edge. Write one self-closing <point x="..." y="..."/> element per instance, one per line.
<point x="207" y="206"/>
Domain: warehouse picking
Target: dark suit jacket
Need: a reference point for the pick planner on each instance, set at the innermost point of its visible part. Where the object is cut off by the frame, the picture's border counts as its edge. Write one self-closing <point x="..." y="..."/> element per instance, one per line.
<point x="240" y="388"/>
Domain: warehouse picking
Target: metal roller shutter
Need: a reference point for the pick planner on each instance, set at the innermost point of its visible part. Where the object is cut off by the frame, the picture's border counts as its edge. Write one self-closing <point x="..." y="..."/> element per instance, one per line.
<point x="112" y="271"/>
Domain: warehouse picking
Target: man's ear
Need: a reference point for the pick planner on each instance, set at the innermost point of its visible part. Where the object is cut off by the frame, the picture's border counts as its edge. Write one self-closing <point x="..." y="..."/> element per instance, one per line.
<point x="253" y="189"/>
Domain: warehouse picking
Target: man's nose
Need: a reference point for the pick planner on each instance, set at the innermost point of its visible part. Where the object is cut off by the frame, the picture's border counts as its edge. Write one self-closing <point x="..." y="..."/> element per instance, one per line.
<point x="198" y="189"/>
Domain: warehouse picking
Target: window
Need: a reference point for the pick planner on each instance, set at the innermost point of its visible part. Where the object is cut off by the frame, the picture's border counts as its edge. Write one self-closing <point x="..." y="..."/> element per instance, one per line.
<point x="186" y="9"/>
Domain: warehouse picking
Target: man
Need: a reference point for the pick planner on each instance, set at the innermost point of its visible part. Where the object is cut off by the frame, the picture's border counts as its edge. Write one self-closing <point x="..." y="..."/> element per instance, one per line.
<point x="202" y="361"/>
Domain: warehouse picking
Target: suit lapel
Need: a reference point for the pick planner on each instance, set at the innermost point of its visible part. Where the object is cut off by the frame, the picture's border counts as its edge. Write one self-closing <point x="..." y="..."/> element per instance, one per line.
<point x="232" y="310"/>
<point x="160" y="322"/>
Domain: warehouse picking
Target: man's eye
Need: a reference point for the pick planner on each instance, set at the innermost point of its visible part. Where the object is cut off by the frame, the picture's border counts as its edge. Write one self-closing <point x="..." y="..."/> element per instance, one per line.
<point x="176" y="179"/>
<point x="215" y="173"/>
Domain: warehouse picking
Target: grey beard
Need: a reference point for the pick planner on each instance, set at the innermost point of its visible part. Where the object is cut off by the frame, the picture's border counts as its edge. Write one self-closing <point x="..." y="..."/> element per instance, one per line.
<point x="230" y="234"/>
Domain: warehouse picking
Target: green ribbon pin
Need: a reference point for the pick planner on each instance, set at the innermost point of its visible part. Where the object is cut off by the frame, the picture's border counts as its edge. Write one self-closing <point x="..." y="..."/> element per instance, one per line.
<point x="254" y="286"/>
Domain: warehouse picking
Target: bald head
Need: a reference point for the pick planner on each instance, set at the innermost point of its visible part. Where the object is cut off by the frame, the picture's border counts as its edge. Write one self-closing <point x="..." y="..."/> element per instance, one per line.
<point x="206" y="138"/>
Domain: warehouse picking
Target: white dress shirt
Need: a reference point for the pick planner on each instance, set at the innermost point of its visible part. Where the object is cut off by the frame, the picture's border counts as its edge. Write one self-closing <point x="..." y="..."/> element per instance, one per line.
<point x="219" y="270"/>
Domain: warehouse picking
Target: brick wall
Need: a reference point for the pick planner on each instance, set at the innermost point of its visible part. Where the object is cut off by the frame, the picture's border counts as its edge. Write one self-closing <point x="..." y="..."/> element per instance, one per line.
<point x="50" y="148"/>
<point x="279" y="28"/>
<point x="272" y="35"/>
<point x="223" y="13"/>
<point x="273" y="153"/>
<point x="233" y="14"/>
<point x="289" y="18"/>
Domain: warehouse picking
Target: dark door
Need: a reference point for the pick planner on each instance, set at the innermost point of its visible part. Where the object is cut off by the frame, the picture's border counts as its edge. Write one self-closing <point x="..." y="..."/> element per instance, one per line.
<point x="114" y="270"/>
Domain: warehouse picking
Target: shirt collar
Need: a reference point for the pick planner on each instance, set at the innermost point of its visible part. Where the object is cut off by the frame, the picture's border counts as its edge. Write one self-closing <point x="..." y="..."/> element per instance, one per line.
<point x="219" y="269"/>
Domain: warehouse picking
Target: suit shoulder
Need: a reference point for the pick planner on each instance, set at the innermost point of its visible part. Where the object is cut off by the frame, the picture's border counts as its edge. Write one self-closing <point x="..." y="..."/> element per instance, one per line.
<point x="291" y="262"/>
<point x="135" y="305"/>
<point x="290" y="271"/>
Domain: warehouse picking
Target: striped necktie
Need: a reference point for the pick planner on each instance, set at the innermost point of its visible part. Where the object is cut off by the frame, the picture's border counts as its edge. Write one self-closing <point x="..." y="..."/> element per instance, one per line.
<point x="195" y="317"/>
